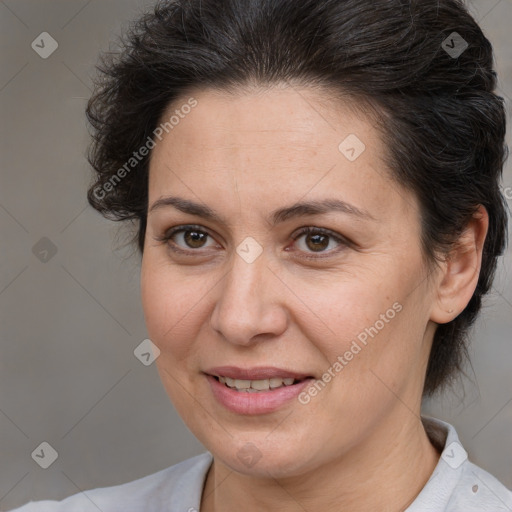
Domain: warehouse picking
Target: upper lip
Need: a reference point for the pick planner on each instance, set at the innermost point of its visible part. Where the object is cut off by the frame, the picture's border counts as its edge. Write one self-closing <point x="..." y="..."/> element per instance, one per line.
<point x="256" y="373"/>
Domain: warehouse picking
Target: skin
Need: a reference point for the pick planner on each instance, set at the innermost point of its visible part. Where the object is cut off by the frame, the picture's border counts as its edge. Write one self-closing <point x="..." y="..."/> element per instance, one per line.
<point x="245" y="155"/>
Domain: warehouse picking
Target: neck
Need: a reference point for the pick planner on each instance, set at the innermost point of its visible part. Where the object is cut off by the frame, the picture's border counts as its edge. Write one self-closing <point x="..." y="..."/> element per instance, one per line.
<point x="386" y="474"/>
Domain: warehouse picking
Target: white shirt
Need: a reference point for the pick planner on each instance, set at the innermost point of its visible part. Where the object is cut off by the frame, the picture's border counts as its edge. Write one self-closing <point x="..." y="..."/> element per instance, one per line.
<point x="456" y="485"/>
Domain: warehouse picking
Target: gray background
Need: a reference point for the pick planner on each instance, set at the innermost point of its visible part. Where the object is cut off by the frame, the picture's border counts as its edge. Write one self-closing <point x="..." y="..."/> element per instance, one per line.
<point x="69" y="326"/>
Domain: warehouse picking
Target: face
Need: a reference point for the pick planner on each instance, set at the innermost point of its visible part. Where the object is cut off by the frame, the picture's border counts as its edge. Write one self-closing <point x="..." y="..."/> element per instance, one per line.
<point x="239" y="281"/>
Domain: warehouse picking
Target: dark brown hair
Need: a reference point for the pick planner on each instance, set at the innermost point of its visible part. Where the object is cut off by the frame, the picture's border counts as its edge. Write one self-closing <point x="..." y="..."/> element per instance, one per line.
<point x="442" y="121"/>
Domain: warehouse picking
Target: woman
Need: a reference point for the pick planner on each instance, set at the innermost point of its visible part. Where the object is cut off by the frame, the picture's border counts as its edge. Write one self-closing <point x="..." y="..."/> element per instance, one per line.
<point x="316" y="187"/>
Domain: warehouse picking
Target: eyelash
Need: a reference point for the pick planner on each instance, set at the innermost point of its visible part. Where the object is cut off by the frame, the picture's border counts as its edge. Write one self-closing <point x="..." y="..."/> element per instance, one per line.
<point x="343" y="242"/>
<point x="168" y="235"/>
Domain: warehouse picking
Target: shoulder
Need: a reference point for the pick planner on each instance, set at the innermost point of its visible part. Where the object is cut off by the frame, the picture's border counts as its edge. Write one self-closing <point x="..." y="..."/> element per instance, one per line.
<point x="479" y="491"/>
<point x="179" y="485"/>
<point x="457" y="484"/>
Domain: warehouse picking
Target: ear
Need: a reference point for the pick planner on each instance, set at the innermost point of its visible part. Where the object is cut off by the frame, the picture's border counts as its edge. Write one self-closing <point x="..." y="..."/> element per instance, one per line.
<point x="461" y="269"/>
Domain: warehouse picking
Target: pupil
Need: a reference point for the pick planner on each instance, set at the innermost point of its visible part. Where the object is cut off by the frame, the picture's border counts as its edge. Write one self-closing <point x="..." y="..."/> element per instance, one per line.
<point x="320" y="242"/>
<point x="194" y="239"/>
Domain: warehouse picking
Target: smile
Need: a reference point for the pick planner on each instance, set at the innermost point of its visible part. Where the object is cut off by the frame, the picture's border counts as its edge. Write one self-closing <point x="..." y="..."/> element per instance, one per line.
<point x="256" y="386"/>
<point x="257" y="395"/>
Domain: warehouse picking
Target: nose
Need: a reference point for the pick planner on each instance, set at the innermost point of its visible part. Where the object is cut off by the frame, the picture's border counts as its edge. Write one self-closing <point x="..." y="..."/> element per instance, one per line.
<point x="248" y="308"/>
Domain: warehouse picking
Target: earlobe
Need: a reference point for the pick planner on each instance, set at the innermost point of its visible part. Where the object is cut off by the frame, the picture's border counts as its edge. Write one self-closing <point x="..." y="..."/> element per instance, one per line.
<point x="461" y="269"/>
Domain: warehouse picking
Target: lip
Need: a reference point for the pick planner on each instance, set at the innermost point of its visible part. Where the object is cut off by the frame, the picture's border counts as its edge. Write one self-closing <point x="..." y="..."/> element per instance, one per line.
<point x="256" y="373"/>
<point x="263" y="402"/>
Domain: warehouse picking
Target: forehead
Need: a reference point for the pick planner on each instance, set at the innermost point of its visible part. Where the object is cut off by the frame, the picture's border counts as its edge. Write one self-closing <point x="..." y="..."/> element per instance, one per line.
<point x="274" y="143"/>
<point x="287" y="119"/>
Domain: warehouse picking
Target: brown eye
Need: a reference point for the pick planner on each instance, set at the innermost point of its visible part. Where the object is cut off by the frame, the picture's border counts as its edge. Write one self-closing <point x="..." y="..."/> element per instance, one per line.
<point x="194" y="239"/>
<point x="183" y="238"/>
<point x="318" y="240"/>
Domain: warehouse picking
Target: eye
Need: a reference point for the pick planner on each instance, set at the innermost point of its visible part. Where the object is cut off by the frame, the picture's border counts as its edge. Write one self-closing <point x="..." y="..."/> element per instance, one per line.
<point x="190" y="238"/>
<point x="186" y="238"/>
<point x="318" y="240"/>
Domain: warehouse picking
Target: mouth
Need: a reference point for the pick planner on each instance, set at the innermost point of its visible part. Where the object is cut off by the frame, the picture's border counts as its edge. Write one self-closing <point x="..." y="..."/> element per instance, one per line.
<point x="257" y="391"/>
<point x="258" y="386"/>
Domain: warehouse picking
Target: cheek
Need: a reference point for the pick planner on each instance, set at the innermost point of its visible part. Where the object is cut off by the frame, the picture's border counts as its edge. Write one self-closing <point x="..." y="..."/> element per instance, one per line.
<point x="345" y="307"/>
<point x="165" y="301"/>
<point x="360" y="323"/>
<point x="156" y="299"/>
<point x="175" y="308"/>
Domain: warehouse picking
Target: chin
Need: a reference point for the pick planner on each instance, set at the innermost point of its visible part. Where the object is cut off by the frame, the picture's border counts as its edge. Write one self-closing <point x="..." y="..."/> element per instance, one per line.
<point x="249" y="459"/>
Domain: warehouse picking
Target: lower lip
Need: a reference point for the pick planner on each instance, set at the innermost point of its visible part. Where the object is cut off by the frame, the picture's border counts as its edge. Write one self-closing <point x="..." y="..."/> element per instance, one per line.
<point x="261" y="402"/>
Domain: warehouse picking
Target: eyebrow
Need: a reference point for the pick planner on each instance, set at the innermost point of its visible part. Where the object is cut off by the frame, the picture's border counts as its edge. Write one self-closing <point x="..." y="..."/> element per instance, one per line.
<point x="300" y="209"/>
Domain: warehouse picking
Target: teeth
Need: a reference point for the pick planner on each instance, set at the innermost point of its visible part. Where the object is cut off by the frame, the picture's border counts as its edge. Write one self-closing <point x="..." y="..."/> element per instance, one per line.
<point x="276" y="382"/>
<point x="260" y="385"/>
<point x="241" y="384"/>
<point x="252" y="386"/>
